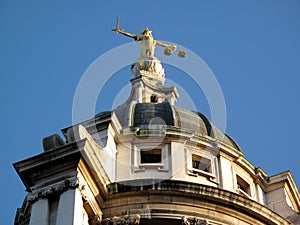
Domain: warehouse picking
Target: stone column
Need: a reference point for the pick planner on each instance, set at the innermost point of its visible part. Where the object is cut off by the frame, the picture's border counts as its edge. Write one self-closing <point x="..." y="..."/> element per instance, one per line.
<point x="226" y="174"/>
<point x="138" y="92"/>
<point x="260" y="197"/>
<point x="40" y="212"/>
<point x="70" y="208"/>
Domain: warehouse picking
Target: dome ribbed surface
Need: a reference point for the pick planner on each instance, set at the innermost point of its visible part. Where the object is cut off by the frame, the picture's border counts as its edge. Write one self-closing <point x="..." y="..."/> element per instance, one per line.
<point x="144" y="114"/>
<point x="150" y="113"/>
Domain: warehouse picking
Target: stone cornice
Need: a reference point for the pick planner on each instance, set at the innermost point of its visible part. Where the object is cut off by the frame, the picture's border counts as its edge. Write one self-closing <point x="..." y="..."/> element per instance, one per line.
<point x="122" y="220"/>
<point x="193" y="191"/>
<point x="40" y="159"/>
<point x="36" y="167"/>
<point x="285" y="180"/>
<point x="58" y="163"/>
<point x="42" y="191"/>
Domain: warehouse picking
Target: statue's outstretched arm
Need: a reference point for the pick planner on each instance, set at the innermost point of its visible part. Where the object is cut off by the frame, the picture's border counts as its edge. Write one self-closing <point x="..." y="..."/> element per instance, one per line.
<point x="134" y="36"/>
<point x="173" y="47"/>
<point x="170" y="48"/>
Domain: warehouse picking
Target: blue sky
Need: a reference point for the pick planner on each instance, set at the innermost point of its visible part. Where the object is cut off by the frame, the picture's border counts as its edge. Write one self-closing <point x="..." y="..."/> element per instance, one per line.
<point x="252" y="47"/>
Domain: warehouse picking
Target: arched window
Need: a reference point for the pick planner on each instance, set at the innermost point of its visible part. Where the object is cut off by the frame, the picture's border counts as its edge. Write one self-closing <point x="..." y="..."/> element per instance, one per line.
<point x="154" y="98"/>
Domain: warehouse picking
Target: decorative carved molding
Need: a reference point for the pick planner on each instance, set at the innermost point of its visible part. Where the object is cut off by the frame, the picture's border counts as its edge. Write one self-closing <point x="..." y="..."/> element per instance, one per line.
<point x="89" y="198"/>
<point x="95" y="220"/>
<point x="128" y="220"/>
<point x="46" y="190"/>
<point x="58" y="187"/>
<point x="193" y="221"/>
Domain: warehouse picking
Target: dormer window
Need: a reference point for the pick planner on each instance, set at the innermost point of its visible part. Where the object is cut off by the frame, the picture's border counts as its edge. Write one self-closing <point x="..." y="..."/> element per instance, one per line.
<point x="243" y="187"/>
<point x="150" y="156"/>
<point x="147" y="157"/>
<point x="201" y="163"/>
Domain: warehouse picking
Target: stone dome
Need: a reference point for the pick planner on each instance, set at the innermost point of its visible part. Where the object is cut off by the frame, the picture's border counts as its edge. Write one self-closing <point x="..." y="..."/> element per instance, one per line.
<point x="155" y="115"/>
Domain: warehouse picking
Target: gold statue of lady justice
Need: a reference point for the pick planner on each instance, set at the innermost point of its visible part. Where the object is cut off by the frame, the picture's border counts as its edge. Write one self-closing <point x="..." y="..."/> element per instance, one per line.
<point x="148" y="44"/>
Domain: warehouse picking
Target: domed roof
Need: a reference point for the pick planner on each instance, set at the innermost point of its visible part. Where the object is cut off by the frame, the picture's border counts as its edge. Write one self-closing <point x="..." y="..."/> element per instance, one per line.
<point x="144" y="114"/>
<point x="148" y="113"/>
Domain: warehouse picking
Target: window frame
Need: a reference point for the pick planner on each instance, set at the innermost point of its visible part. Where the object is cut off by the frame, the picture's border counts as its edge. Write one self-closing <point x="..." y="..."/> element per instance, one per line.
<point x="151" y="152"/>
<point x="243" y="187"/>
<point x="212" y="174"/>
<point x="161" y="166"/>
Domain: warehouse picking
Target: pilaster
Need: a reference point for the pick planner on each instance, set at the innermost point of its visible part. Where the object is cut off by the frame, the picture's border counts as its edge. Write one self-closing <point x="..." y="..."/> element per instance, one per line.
<point x="40" y="212"/>
<point x="70" y="208"/>
<point x="226" y="173"/>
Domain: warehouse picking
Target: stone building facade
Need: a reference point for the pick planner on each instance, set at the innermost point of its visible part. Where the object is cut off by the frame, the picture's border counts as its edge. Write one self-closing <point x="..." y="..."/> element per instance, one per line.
<point x="150" y="162"/>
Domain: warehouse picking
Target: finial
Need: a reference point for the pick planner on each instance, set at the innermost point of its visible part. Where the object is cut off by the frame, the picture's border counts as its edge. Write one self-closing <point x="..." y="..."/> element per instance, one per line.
<point x="148" y="44"/>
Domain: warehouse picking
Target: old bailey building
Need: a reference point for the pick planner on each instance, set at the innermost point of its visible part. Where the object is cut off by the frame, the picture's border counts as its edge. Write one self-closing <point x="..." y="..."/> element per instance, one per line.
<point x="149" y="161"/>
